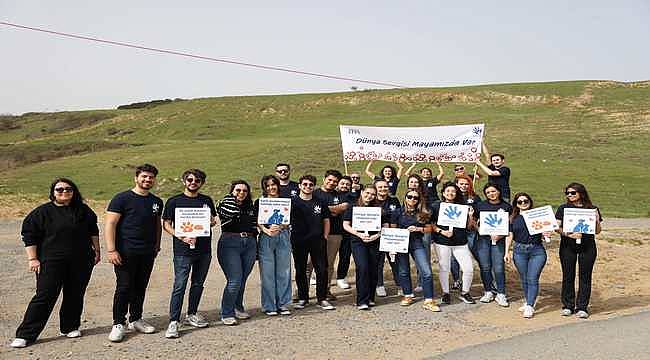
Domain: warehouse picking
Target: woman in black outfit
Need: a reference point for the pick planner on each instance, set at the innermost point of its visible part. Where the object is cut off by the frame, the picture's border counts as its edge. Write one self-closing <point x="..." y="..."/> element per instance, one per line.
<point x="62" y="244"/>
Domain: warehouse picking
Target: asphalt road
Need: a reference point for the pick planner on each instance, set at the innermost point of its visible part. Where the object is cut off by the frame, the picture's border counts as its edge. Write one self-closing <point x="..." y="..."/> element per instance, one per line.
<point x="626" y="337"/>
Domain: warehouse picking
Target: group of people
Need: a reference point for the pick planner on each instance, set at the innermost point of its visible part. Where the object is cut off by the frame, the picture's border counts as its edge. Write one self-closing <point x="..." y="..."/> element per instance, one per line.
<point x="62" y="245"/>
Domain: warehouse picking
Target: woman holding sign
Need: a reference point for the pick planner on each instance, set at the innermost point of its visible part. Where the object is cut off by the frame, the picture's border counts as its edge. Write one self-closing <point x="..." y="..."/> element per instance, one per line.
<point x="365" y="249"/>
<point x="577" y="244"/>
<point x="453" y="241"/>
<point x="389" y="174"/>
<point x="274" y="252"/>
<point x="416" y="218"/>
<point x="491" y="248"/>
<point x="528" y="252"/>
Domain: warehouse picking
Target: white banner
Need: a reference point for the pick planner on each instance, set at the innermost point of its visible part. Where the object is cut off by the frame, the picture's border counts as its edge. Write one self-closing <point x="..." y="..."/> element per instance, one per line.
<point x="274" y="211"/>
<point x="459" y="143"/>
<point x="394" y="240"/>
<point x="540" y="220"/>
<point x="366" y="218"/>
<point x="579" y="220"/>
<point x="453" y="215"/>
<point x="192" y="222"/>
<point x="493" y="223"/>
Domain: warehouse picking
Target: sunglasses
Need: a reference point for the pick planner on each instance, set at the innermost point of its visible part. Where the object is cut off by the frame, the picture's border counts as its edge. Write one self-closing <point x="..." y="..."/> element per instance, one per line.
<point x="194" y="180"/>
<point x="282" y="171"/>
<point x="63" y="189"/>
<point x="572" y="193"/>
<point x="412" y="197"/>
<point x="354" y="177"/>
<point x="459" y="169"/>
<point x="307" y="184"/>
<point x="524" y="201"/>
<point x="241" y="190"/>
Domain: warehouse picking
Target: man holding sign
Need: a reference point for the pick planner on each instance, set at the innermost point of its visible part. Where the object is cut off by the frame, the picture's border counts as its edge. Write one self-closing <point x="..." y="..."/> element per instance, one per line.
<point x="188" y="218"/>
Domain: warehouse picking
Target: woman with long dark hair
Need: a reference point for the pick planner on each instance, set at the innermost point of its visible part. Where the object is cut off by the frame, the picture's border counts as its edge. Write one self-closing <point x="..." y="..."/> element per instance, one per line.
<point x="236" y="249"/>
<point x="62" y="244"/>
<point x="388" y="173"/>
<point x="528" y="252"/>
<point x="580" y="248"/>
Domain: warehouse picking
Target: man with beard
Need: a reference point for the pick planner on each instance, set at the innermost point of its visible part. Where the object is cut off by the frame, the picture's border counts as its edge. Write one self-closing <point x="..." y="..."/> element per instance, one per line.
<point x="288" y="188"/>
<point x="132" y="231"/>
<point x="190" y="253"/>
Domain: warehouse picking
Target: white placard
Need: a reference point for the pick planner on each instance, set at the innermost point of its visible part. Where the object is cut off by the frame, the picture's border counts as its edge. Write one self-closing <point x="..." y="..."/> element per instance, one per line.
<point x="493" y="223"/>
<point x="540" y="220"/>
<point x="454" y="215"/>
<point x="394" y="240"/>
<point x="274" y="211"/>
<point x="365" y="218"/>
<point x="192" y="222"/>
<point x="458" y="143"/>
<point x="579" y="220"/>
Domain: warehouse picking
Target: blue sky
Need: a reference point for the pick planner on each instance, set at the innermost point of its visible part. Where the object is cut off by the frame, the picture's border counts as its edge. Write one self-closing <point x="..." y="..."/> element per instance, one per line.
<point x="415" y="44"/>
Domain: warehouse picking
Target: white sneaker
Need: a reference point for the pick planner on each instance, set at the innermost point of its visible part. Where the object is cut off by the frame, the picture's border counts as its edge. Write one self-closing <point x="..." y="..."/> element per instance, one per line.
<point x="117" y="333"/>
<point x="582" y="314"/>
<point x="142" y="326"/>
<point x="341" y="283"/>
<point x="326" y="305"/>
<point x="502" y="300"/>
<point x="487" y="297"/>
<point x="242" y="315"/>
<point x="529" y="311"/>
<point x="522" y="307"/>
<point x="381" y="291"/>
<point x="172" y="330"/>
<point x="312" y="281"/>
<point x="363" y="307"/>
<point x="400" y="292"/>
<point x="229" y="321"/>
<point x="72" y="334"/>
<point x="566" y="312"/>
<point x="18" y="343"/>
<point x="196" y="320"/>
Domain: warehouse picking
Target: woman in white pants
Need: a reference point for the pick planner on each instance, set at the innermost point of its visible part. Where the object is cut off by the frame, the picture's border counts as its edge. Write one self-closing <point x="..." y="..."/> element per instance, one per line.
<point x="453" y="241"/>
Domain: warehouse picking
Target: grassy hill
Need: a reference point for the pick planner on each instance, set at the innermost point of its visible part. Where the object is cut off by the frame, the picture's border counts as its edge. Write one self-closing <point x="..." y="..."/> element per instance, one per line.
<point x="595" y="132"/>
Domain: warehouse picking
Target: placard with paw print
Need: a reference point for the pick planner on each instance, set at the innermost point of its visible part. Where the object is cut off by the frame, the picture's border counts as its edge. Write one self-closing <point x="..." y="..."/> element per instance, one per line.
<point x="192" y="222"/>
<point x="540" y="220"/>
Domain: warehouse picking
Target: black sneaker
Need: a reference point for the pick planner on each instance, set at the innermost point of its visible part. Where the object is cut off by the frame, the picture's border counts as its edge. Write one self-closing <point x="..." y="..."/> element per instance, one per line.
<point x="467" y="298"/>
<point x="446" y="299"/>
<point x="300" y="304"/>
<point x="330" y="297"/>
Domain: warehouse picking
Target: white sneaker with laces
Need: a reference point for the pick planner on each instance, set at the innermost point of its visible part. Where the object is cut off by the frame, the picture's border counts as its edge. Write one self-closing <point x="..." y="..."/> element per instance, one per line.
<point x="172" y="330"/>
<point x="341" y="283"/>
<point x="326" y="305"/>
<point x="72" y="334"/>
<point x="117" y="333"/>
<point x="487" y="297"/>
<point x="196" y="320"/>
<point x="18" y="343"/>
<point x="502" y="300"/>
<point x="381" y="291"/>
<point x="229" y="321"/>
<point x="566" y="312"/>
<point x="582" y="314"/>
<point x="529" y="311"/>
<point x="242" y="315"/>
<point x="142" y="326"/>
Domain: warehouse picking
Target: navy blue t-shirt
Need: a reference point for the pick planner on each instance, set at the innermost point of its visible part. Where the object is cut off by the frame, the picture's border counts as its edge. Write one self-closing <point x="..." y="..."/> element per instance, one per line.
<point x="559" y="214"/>
<point x="307" y="219"/>
<point x="431" y="187"/>
<point x="392" y="184"/>
<point x="332" y="198"/>
<point x="403" y="220"/>
<point x="458" y="237"/>
<point x="487" y="206"/>
<point x="503" y="180"/>
<point x="289" y="190"/>
<point x="389" y="206"/>
<point x="140" y="217"/>
<point x="203" y="243"/>
<point x="520" y="232"/>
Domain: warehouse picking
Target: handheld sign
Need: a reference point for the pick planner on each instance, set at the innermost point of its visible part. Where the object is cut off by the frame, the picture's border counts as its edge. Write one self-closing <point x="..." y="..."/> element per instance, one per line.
<point x="540" y="220"/>
<point x="579" y="220"/>
<point x="394" y="240"/>
<point x="493" y="223"/>
<point x="192" y="222"/>
<point x="366" y="218"/>
<point x="453" y="215"/>
<point x="274" y="211"/>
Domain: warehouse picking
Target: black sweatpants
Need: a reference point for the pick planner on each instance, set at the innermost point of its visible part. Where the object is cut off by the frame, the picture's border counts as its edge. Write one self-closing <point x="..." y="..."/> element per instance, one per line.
<point x="132" y="278"/>
<point x="71" y="276"/>
<point x="345" y="251"/>
<point x="585" y="255"/>
<point x="317" y="249"/>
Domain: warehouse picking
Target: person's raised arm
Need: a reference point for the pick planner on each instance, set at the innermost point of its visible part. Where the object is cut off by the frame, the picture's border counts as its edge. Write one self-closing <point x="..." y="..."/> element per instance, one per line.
<point x="487" y="170"/>
<point x="110" y="226"/>
<point x="400" y="169"/>
<point x="368" y="172"/>
<point x="486" y="152"/>
<point x="441" y="171"/>
<point x="408" y="171"/>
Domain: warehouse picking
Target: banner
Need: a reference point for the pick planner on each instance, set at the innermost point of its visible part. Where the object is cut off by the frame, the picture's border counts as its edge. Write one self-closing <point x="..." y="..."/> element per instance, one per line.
<point x="453" y="215"/>
<point x="394" y="240"/>
<point x="493" y="223"/>
<point x="540" y="220"/>
<point x="192" y="222"/>
<point x="579" y="220"/>
<point x="366" y="218"/>
<point x="274" y="211"/>
<point x="459" y="143"/>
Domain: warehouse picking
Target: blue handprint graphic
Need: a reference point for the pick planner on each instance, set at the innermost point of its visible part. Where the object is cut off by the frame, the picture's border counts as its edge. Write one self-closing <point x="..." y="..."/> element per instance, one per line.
<point x="581" y="227"/>
<point x="493" y="220"/>
<point x="276" y="218"/>
<point x="452" y="212"/>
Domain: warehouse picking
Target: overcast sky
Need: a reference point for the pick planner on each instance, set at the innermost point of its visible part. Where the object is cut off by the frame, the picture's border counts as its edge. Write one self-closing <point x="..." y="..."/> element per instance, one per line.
<point x="415" y="44"/>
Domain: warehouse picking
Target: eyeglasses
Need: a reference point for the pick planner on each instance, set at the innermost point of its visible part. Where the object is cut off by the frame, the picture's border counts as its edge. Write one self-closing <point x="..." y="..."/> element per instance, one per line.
<point x="282" y="171"/>
<point x="523" y="201"/>
<point x="459" y="169"/>
<point x="194" y="180"/>
<point x="571" y="193"/>
<point x="412" y="197"/>
<point x="63" y="189"/>
<point x="307" y="184"/>
<point x="241" y="190"/>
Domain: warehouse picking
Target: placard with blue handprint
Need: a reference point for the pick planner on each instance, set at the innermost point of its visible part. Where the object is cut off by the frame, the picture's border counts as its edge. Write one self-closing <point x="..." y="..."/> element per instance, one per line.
<point x="274" y="211"/>
<point x="579" y="220"/>
<point x="454" y="215"/>
<point x="493" y="223"/>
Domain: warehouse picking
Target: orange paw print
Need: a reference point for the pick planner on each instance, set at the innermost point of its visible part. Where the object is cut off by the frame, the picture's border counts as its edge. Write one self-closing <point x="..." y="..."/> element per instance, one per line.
<point x="187" y="227"/>
<point x="537" y="225"/>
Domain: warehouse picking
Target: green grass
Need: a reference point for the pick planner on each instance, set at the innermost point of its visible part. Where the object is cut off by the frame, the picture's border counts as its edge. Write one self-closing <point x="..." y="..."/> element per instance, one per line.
<point x="549" y="139"/>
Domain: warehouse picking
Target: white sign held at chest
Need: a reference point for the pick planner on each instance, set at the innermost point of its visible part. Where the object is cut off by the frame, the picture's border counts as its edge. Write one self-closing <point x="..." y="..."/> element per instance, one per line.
<point x="366" y="218"/>
<point x="192" y="222"/>
<point x="493" y="223"/>
<point x="454" y="215"/>
<point x="394" y="240"/>
<point x="274" y="211"/>
<point x="579" y="220"/>
<point x="540" y="220"/>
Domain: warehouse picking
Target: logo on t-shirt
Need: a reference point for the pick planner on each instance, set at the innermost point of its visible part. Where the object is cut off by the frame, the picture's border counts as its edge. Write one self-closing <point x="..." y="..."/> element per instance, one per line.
<point x="392" y="207"/>
<point x="317" y="209"/>
<point x="430" y="184"/>
<point x="155" y="208"/>
<point x="335" y="200"/>
<point x="294" y="192"/>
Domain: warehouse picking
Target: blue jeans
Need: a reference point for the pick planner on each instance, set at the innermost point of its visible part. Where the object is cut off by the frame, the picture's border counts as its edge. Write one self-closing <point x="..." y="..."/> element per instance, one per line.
<point x="199" y="265"/>
<point x="275" y="270"/>
<point x="366" y="260"/>
<point x="426" y="242"/>
<point x="529" y="260"/>
<point x="490" y="259"/>
<point x="236" y="256"/>
<point x="471" y="242"/>
<point x="419" y="254"/>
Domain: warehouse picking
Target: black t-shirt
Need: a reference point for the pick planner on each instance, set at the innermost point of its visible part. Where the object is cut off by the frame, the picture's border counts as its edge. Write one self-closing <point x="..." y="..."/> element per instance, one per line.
<point x="403" y="220"/>
<point x="60" y="232"/>
<point x="203" y="243"/>
<point x="289" y="190"/>
<point x="503" y="180"/>
<point x="431" y="187"/>
<point x="487" y="206"/>
<point x="392" y="184"/>
<point x="139" y="220"/>
<point x="332" y="198"/>
<point x="389" y="206"/>
<point x="307" y="219"/>
<point x="559" y="214"/>
<point x="354" y="194"/>
<point x="458" y="237"/>
<point x="347" y="216"/>
<point x="520" y="232"/>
